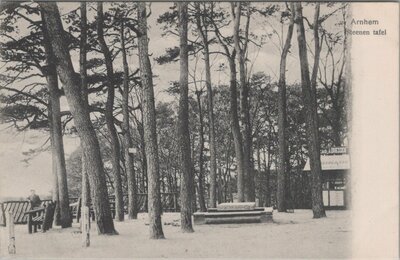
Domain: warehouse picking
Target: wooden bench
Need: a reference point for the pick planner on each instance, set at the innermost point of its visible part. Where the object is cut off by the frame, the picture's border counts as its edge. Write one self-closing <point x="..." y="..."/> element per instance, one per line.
<point x="41" y="218"/>
<point x="75" y="209"/>
<point x="233" y="213"/>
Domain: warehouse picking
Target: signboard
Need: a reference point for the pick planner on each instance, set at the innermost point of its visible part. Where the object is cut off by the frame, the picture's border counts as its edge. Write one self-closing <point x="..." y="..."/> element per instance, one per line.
<point x="336" y="198"/>
<point x="335" y="150"/>
<point x="325" y="197"/>
<point x="332" y="162"/>
<point x="338" y="150"/>
<point x="332" y="198"/>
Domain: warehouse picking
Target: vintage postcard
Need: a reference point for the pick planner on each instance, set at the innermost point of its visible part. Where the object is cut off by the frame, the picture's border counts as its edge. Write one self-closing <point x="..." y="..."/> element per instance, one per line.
<point x="202" y="129"/>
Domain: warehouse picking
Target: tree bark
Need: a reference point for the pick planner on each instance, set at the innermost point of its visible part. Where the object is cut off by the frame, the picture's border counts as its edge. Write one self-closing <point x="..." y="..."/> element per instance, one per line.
<point x="237" y="137"/>
<point x="149" y="126"/>
<point x="183" y="124"/>
<point x="317" y="52"/>
<point x="282" y="124"/>
<point x="259" y="170"/>
<point x="249" y="186"/>
<point x="80" y="113"/>
<point x="310" y="110"/>
<point x="85" y="193"/>
<point x="130" y="169"/>
<point x="234" y="117"/>
<point x="55" y="195"/>
<point x="115" y="145"/>
<point x="201" y="155"/>
<point x="210" y="104"/>
<point x="144" y="179"/>
<point x="56" y="135"/>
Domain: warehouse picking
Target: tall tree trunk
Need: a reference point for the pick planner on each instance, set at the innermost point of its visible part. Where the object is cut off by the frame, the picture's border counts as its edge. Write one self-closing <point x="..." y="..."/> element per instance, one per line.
<point x="80" y="113"/>
<point x="310" y="109"/>
<point x="259" y="170"/>
<point x="115" y="145"/>
<point x="317" y="52"/>
<point x="234" y="117"/>
<point x="210" y="104"/>
<point x="282" y="124"/>
<point x="56" y="135"/>
<point x="336" y="122"/>
<point x="143" y="161"/>
<point x="201" y="155"/>
<point x="130" y="169"/>
<point x="267" y="170"/>
<point x="65" y="217"/>
<point x="149" y="125"/>
<point x="85" y="193"/>
<point x="55" y="195"/>
<point x="237" y="137"/>
<point x="183" y="124"/>
<point x="249" y="186"/>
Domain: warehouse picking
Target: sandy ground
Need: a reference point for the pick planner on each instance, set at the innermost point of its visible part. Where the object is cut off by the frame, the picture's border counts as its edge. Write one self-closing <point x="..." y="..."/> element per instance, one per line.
<point x="292" y="235"/>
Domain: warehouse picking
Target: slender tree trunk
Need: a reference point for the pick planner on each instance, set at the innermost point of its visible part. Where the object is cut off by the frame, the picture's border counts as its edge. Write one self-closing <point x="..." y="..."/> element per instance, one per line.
<point x="80" y="113"/>
<point x="310" y="109"/>
<point x="55" y="197"/>
<point x="237" y="137"/>
<point x="144" y="161"/>
<point x="210" y="104"/>
<point x="129" y="162"/>
<point x="259" y="179"/>
<point x="65" y="217"/>
<point x="234" y="117"/>
<point x="115" y="145"/>
<point x="282" y="124"/>
<point x="85" y="195"/>
<point x="201" y="155"/>
<point x="183" y="124"/>
<point x="149" y="125"/>
<point x="56" y="135"/>
<point x="317" y="52"/>
<point x="336" y="123"/>
<point x="267" y="169"/>
<point x="249" y="186"/>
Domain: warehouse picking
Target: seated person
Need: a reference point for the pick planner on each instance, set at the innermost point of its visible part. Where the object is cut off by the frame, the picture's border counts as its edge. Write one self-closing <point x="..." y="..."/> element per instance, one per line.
<point x="34" y="199"/>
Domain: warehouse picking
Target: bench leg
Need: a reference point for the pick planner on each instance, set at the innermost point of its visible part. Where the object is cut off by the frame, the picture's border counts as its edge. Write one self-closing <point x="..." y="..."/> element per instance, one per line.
<point x="34" y="228"/>
<point x="29" y="225"/>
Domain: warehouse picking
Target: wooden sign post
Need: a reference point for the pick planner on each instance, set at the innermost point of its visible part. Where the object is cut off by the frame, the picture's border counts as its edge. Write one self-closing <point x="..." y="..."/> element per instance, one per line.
<point x="85" y="226"/>
<point x="11" y="234"/>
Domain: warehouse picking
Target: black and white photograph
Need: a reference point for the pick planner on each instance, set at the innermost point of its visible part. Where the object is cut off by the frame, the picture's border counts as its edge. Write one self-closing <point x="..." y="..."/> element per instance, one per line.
<point x="133" y="129"/>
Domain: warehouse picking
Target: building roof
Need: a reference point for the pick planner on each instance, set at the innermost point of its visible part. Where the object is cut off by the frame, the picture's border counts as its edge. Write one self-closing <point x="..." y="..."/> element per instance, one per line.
<point x="332" y="162"/>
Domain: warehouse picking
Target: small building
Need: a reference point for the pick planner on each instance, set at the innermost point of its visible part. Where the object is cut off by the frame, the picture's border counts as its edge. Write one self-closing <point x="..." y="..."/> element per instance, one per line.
<point x="335" y="176"/>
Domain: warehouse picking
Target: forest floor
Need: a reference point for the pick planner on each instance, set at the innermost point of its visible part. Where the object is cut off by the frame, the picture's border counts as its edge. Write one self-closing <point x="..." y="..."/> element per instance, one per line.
<point x="292" y="235"/>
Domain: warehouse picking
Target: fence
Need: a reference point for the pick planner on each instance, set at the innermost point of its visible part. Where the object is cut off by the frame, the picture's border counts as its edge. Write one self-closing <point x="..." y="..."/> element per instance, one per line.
<point x="17" y="208"/>
<point x="169" y="202"/>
